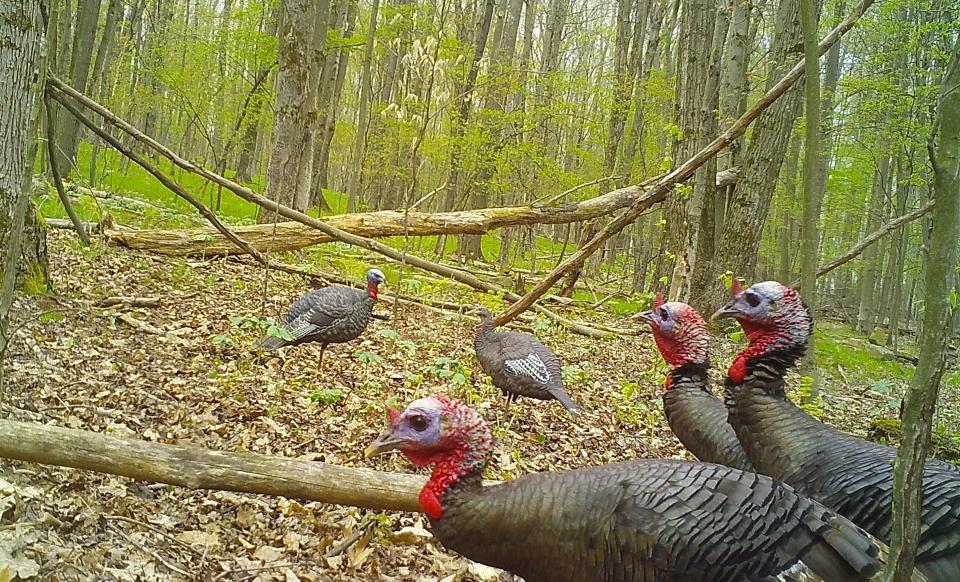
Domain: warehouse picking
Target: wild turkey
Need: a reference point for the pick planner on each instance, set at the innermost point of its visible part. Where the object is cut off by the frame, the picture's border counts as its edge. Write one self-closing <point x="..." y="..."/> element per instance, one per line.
<point x="850" y="475"/>
<point x="331" y="315"/>
<point x="518" y="364"/>
<point x="644" y="520"/>
<point x="696" y="416"/>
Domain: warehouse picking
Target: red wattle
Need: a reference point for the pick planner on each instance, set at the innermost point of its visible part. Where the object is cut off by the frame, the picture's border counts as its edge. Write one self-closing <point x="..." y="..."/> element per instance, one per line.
<point x="430" y="503"/>
<point x="738" y="370"/>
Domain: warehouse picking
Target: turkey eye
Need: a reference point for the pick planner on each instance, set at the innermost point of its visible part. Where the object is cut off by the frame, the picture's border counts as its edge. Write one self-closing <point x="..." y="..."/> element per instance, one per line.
<point x="663" y="313"/>
<point x="752" y="299"/>
<point x="418" y="423"/>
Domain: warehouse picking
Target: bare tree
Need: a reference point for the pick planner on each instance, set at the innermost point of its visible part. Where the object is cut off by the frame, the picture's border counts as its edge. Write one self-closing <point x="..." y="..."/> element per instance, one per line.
<point x="21" y="59"/>
<point x="939" y="311"/>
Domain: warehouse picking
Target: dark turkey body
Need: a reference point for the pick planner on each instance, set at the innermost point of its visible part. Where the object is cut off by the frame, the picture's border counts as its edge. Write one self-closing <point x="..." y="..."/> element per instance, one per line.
<point x="329" y="315"/>
<point x="699" y="419"/>
<point x="658" y="519"/>
<point x="519" y="365"/>
<point x="850" y="475"/>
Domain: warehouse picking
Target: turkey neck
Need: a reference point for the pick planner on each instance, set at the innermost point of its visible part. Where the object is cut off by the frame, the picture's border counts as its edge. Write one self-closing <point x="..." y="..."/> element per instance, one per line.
<point x="485" y="333"/>
<point x="457" y="471"/>
<point x="691" y="377"/>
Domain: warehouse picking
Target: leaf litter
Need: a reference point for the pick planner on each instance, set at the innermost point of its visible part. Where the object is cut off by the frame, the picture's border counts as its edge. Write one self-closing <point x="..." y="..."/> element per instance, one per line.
<point x="184" y="372"/>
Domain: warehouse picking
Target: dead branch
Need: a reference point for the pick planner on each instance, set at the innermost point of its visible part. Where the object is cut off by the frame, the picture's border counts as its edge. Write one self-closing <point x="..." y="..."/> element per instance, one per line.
<point x="295" y="235"/>
<point x="78" y="226"/>
<point x="129" y="301"/>
<point x="66" y="224"/>
<point x="868" y="240"/>
<point x="195" y="467"/>
<point x="251" y="196"/>
<point x="680" y="174"/>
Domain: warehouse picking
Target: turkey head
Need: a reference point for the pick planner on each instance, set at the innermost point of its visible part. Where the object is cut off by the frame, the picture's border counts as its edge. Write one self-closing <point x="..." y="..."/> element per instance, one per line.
<point x="680" y="332"/>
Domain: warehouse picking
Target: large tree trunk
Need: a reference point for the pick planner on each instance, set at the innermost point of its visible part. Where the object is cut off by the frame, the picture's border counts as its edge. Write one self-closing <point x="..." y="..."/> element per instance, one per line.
<point x="84" y="38"/>
<point x="747" y="209"/>
<point x="294" y="235"/>
<point x="302" y="28"/>
<point x="21" y="60"/>
<point x="941" y="277"/>
<point x="683" y="208"/>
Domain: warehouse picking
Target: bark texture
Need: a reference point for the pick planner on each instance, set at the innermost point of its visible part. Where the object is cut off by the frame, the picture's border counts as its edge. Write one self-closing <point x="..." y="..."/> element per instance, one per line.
<point x="747" y="209"/>
<point x="939" y="310"/>
<point x="21" y="58"/>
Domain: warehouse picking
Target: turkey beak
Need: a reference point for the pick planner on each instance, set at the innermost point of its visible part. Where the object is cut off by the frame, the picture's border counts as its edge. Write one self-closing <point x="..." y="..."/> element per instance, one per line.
<point x="645" y="316"/>
<point x="728" y="310"/>
<point x="384" y="443"/>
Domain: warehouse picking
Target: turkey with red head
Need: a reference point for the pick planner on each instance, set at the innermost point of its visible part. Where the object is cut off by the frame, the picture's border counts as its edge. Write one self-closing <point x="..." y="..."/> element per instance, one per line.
<point x="644" y="520"/>
<point x="518" y="364"/>
<point x="696" y="416"/>
<point x="848" y="474"/>
<point x="331" y="315"/>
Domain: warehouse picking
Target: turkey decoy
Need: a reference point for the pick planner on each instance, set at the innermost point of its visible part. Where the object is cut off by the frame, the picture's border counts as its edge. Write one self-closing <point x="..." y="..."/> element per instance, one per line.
<point x="331" y="315"/>
<point x="848" y="474"/>
<point x="644" y="520"/>
<point x="518" y="364"/>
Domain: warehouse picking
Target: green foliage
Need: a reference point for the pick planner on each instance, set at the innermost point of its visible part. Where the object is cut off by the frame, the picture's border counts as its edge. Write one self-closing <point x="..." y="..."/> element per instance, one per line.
<point x="450" y="369"/>
<point x="327" y="396"/>
<point x="633" y="408"/>
<point x="574" y="374"/>
<point x="50" y="316"/>
<point x="406" y="345"/>
<point x="813" y="406"/>
<point x="368" y="358"/>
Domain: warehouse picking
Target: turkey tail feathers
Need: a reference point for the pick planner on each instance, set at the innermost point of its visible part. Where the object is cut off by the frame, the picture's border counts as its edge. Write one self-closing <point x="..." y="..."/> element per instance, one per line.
<point x="270" y="343"/>
<point x="843" y="552"/>
<point x="564" y="398"/>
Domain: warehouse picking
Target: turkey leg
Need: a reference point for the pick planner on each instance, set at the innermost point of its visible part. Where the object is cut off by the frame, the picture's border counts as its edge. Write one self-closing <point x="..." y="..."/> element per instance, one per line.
<point x="323" y="348"/>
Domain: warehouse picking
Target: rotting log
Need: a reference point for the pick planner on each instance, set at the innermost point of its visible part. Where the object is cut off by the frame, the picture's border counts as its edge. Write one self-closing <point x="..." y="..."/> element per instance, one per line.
<point x="196" y="467"/>
<point x="291" y="236"/>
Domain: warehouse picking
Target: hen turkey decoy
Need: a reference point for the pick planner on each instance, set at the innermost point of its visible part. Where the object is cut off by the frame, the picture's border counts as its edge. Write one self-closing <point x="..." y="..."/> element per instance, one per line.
<point x="848" y="474"/>
<point x="519" y="364"/>
<point x="331" y="315"/>
<point x="696" y="416"/>
<point x="645" y="520"/>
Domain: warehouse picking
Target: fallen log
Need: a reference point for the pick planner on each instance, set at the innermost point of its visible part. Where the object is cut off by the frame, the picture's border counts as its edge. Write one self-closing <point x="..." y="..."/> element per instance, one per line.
<point x="291" y="236"/>
<point x="195" y="467"/>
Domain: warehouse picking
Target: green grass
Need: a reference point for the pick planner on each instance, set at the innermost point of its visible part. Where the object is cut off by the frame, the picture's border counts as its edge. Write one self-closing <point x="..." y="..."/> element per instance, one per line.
<point x="839" y="346"/>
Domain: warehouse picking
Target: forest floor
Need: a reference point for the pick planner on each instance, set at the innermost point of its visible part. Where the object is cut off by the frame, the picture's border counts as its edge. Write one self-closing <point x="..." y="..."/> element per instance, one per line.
<point x="189" y="376"/>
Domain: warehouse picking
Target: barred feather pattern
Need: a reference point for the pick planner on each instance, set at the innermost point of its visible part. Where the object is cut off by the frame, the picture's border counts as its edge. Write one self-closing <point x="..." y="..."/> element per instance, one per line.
<point x="333" y="314"/>
<point x="519" y="365"/>
<point x="848" y="474"/>
<point x="650" y="520"/>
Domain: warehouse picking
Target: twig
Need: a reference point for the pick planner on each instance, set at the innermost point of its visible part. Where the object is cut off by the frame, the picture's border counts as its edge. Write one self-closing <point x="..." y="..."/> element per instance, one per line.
<point x="158" y="557"/>
<point x="565" y="193"/>
<point x="153" y="529"/>
<point x="345" y="544"/>
<point x="224" y="574"/>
